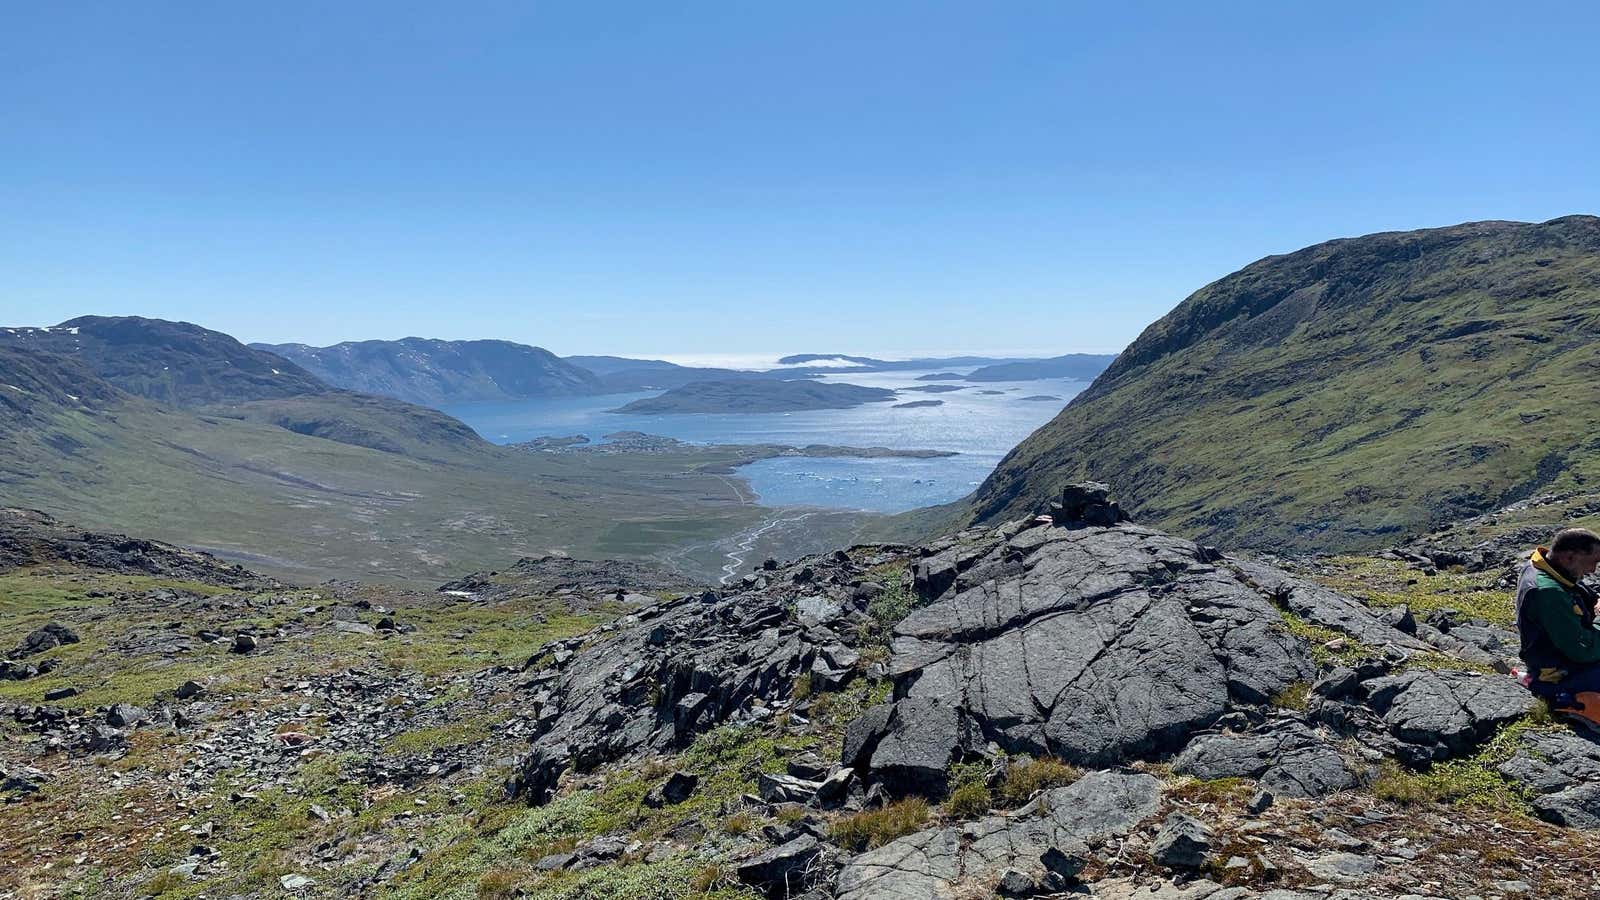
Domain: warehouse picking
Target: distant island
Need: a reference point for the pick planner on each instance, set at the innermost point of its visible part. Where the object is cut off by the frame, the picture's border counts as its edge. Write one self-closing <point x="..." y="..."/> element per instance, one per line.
<point x="918" y="404"/>
<point x="1080" y="366"/>
<point x="940" y="376"/>
<point x="937" y="388"/>
<point x="756" y="396"/>
<point x="1041" y="398"/>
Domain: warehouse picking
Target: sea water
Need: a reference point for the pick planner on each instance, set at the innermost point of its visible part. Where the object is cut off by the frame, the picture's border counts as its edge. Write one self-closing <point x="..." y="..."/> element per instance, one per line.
<point x="981" y="428"/>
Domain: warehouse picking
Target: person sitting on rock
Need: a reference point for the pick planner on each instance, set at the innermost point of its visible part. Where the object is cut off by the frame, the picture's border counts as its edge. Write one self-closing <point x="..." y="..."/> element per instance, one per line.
<point x="1556" y="621"/>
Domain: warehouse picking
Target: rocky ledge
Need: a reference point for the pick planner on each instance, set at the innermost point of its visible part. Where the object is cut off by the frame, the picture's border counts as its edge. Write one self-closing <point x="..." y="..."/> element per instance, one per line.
<point x="1078" y="636"/>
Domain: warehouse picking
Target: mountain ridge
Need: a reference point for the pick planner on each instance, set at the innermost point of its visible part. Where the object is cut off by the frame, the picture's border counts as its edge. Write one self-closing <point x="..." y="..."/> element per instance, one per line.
<point x="431" y="372"/>
<point x="1344" y="394"/>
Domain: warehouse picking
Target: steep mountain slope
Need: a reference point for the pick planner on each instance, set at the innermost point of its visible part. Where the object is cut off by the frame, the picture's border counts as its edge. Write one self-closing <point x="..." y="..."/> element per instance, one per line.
<point x="433" y="372"/>
<point x="1345" y="394"/>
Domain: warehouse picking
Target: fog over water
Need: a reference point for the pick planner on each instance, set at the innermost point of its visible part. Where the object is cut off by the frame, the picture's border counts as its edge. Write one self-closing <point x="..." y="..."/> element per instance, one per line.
<point x="981" y="428"/>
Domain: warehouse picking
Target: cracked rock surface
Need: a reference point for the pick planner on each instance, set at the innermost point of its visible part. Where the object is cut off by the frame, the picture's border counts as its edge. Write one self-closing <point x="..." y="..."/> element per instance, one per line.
<point x="1287" y="757"/>
<point x="1100" y="644"/>
<point x="933" y="864"/>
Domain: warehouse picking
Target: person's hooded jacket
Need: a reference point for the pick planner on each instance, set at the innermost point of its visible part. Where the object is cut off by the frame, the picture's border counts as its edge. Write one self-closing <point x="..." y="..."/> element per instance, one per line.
<point x="1556" y="620"/>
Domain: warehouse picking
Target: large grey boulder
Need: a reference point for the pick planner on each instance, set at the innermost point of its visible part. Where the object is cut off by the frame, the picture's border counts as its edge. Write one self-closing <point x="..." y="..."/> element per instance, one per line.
<point x="1450" y="711"/>
<point x="910" y="745"/>
<point x="930" y="864"/>
<point x="1288" y="758"/>
<point x="1098" y="644"/>
<point x="784" y="871"/>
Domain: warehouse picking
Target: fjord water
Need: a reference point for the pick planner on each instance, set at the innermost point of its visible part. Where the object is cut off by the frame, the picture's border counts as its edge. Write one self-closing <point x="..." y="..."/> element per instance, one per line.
<point x="980" y="427"/>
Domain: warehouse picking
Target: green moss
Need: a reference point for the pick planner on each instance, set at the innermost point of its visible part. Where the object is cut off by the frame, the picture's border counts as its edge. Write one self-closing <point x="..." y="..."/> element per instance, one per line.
<point x="1387" y="582"/>
<point x="425" y="740"/>
<point x="1474" y="780"/>
<point x="1327" y="646"/>
<point x="676" y="879"/>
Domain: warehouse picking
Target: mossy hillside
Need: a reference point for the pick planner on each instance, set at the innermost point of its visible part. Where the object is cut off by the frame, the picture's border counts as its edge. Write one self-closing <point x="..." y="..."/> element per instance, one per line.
<point x="1345" y="395"/>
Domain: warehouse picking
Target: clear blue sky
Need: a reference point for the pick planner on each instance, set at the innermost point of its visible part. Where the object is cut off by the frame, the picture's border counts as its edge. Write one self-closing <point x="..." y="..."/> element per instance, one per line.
<point x="704" y="178"/>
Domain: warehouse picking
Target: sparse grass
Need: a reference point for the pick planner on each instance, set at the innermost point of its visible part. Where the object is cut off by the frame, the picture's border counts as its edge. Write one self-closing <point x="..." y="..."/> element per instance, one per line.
<point x="498" y="884"/>
<point x="1328" y="647"/>
<point x="801" y="689"/>
<point x="876" y="827"/>
<point x="967" y="801"/>
<point x="1473" y="780"/>
<point x="1294" y="697"/>
<point x="1025" y="778"/>
<point x="1220" y="791"/>
<point x="968" y="796"/>
<point x="1386" y="582"/>
<point x="425" y="740"/>
<point x="887" y="609"/>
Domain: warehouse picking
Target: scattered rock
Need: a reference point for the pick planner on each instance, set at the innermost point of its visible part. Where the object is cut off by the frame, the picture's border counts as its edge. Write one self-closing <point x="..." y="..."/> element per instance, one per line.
<point x="1182" y="843"/>
<point x="243" y="643"/>
<point x="783" y="871"/>
<point x="126" y="715"/>
<point x="926" y="865"/>
<point x="45" y="637"/>
<point x="676" y="789"/>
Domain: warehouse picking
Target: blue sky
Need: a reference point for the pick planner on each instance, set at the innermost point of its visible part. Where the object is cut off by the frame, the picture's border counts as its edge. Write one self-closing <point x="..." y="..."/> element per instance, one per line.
<point x="701" y="179"/>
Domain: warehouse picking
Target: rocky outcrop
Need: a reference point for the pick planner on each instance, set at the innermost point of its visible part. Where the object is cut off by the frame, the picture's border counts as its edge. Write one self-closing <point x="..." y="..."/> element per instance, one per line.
<point x="1562" y="771"/>
<point x="1094" y="643"/>
<point x="31" y="538"/>
<point x="658" y="677"/>
<point x="1037" y="841"/>
<point x="1451" y="711"/>
<point x="582" y="582"/>
<point x="1287" y="757"/>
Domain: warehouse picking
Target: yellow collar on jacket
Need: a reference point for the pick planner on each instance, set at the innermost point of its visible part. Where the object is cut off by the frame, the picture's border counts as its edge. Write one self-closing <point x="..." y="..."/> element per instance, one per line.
<point x="1541" y="561"/>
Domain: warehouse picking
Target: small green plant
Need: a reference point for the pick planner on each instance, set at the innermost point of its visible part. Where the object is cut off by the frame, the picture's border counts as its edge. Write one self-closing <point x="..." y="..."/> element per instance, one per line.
<point x="1295" y="696"/>
<point x="1027" y="777"/>
<point x="1219" y="791"/>
<point x="801" y="689"/>
<point x="739" y="823"/>
<point x="1328" y="647"/>
<point x="968" y="801"/>
<point x="876" y="827"/>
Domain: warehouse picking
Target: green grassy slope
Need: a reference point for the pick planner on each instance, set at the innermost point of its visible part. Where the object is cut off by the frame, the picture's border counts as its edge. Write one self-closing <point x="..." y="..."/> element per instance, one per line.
<point x="304" y="507"/>
<point x="1345" y="394"/>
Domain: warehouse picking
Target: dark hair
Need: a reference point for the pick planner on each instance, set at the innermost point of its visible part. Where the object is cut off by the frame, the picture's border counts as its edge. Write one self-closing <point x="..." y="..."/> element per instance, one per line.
<point x="1574" y="540"/>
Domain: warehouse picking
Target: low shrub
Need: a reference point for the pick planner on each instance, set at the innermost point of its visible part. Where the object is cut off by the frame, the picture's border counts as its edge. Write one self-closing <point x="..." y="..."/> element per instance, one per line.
<point x="1027" y="777"/>
<point x="876" y="827"/>
<point x="967" y="801"/>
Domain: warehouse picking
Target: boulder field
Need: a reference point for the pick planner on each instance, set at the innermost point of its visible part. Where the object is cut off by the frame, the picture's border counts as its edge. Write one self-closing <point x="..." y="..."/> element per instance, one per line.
<point x="1079" y="635"/>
